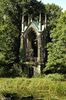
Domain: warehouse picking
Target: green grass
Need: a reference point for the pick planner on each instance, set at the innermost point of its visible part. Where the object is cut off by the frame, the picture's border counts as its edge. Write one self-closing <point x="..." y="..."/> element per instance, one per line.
<point x="43" y="88"/>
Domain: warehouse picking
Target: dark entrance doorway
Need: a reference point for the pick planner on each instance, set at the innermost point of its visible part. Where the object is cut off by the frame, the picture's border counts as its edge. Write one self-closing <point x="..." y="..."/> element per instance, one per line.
<point x="30" y="72"/>
<point x="31" y="51"/>
<point x="33" y="40"/>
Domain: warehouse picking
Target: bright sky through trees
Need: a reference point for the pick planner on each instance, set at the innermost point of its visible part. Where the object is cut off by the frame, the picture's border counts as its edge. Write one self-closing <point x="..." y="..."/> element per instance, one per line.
<point x="61" y="3"/>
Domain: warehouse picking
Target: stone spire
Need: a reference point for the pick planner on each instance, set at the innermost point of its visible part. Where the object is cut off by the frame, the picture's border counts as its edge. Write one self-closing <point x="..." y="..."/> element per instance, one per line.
<point x="22" y="30"/>
<point x="45" y="21"/>
<point x="40" y="25"/>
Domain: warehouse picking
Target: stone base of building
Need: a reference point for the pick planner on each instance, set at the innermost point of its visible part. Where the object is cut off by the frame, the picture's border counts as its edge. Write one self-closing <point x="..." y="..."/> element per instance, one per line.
<point x="32" y="70"/>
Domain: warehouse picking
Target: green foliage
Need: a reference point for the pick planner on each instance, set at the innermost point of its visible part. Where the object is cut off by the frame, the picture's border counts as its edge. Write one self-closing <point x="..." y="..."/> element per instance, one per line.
<point x="10" y="71"/>
<point x="56" y="77"/>
<point x="39" y="88"/>
<point x="57" y="48"/>
<point x="32" y="8"/>
<point x="53" y="13"/>
<point x="10" y="28"/>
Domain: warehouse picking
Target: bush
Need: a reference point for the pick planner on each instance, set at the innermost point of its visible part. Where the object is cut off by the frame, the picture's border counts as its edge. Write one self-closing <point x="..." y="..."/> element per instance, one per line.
<point x="56" y="77"/>
<point x="10" y="71"/>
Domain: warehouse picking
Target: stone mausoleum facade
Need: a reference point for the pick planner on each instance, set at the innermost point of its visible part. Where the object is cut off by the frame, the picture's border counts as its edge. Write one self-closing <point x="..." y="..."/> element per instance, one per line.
<point x="32" y="43"/>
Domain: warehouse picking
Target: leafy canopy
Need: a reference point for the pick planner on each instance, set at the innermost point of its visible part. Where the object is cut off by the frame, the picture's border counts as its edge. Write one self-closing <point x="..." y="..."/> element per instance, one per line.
<point x="57" y="48"/>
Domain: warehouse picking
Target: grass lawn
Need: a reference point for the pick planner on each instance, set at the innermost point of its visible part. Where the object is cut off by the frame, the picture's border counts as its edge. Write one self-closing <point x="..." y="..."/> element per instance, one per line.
<point x="39" y="88"/>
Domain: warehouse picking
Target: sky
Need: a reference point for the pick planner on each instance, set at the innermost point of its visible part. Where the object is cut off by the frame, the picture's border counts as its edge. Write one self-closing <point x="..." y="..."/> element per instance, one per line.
<point x="61" y="3"/>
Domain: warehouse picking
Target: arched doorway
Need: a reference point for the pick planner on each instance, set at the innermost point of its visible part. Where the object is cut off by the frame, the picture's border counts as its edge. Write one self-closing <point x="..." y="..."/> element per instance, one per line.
<point x="31" y="46"/>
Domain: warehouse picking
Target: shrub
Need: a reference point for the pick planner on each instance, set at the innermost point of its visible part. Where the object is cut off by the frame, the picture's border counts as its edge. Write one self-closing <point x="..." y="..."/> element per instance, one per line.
<point x="10" y="71"/>
<point x="56" y="77"/>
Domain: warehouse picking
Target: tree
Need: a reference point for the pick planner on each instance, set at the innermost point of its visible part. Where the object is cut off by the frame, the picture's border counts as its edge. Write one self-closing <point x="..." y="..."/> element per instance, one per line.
<point x="57" y="48"/>
<point x="53" y="12"/>
<point x="10" y="30"/>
